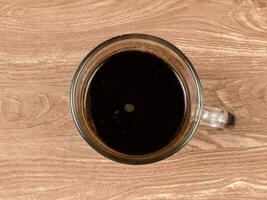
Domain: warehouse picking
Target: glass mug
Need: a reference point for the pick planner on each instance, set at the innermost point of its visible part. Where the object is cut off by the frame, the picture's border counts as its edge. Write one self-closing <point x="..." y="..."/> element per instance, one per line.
<point x="196" y="113"/>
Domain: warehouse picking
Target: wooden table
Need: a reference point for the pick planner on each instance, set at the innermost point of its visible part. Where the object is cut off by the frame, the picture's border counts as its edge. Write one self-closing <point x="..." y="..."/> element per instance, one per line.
<point x="42" y="155"/>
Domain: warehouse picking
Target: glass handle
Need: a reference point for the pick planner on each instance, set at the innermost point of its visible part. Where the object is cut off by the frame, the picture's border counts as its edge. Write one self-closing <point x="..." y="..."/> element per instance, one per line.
<point x="216" y="117"/>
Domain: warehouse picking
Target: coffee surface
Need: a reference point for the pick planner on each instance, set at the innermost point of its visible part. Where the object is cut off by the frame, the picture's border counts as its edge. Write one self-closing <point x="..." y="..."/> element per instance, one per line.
<point x="136" y="103"/>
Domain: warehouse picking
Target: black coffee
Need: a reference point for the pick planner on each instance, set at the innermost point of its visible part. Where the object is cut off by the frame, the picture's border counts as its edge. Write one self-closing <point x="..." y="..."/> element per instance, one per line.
<point x="136" y="102"/>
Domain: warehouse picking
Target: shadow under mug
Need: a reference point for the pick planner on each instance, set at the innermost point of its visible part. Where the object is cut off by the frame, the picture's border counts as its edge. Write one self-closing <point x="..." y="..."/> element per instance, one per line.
<point x="196" y="113"/>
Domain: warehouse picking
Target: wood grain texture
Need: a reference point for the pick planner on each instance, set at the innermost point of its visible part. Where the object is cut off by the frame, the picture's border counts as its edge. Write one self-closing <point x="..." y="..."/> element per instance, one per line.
<point x="42" y="155"/>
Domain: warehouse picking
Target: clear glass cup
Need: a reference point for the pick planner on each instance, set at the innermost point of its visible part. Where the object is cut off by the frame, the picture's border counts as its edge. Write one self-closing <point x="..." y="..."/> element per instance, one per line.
<point x="197" y="114"/>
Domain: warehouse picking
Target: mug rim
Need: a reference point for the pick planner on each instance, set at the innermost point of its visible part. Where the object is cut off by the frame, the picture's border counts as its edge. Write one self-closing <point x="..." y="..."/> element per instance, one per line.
<point x="170" y="46"/>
